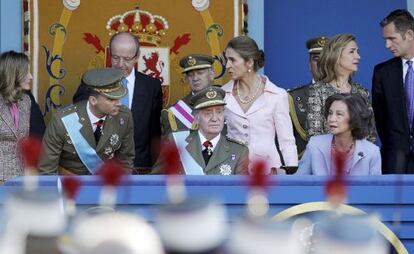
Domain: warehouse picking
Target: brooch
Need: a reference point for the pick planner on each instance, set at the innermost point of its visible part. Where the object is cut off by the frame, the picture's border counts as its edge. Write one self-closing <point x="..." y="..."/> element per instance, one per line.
<point x="225" y="169"/>
<point x="121" y="121"/>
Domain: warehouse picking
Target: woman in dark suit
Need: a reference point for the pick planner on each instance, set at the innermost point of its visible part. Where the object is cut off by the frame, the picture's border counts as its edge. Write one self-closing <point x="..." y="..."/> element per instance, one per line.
<point x="15" y="108"/>
<point x="349" y="120"/>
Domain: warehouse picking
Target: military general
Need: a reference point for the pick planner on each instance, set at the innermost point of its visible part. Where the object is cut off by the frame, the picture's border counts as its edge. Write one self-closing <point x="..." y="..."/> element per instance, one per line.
<point x="206" y="151"/>
<point x="198" y="72"/>
<point x="83" y="135"/>
<point x="299" y="95"/>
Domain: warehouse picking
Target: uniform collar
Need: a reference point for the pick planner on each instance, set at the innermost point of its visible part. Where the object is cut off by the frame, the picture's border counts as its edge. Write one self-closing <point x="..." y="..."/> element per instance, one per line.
<point x="214" y="141"/>
<point x="91" y="116"/>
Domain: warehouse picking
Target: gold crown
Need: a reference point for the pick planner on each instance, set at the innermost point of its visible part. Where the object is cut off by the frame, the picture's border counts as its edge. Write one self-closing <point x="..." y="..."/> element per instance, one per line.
<point x="148" y="27"/>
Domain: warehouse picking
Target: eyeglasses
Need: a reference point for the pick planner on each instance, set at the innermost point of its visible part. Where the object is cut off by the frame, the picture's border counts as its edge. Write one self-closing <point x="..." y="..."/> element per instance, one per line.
<point x="116" y="58"/>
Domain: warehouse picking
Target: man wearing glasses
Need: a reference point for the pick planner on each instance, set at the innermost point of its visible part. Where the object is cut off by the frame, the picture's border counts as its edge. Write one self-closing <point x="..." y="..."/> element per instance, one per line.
<point x="144" y="99"/>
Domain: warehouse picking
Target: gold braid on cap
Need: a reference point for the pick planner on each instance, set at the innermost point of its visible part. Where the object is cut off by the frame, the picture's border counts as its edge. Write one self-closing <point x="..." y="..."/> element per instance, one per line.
<point x="115" y="87"/>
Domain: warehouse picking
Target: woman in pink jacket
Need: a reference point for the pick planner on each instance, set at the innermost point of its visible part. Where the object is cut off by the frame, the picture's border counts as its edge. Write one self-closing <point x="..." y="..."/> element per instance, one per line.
<point x="257" y="110"/>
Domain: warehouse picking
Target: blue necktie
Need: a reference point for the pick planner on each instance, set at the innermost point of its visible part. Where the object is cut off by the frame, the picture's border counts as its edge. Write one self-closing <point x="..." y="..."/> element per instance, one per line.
<point x="125" y="99"/>
<point x="409" y="92"/>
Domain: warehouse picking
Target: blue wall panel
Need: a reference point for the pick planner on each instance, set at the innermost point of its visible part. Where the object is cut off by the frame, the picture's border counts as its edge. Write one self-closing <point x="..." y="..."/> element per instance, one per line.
<point x="288" y="24"/>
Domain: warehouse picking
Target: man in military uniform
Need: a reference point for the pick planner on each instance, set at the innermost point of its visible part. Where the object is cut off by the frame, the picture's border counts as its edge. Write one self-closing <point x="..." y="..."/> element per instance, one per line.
<point x="198" y="72"/>
<point x="206" y="151"/>
<point x="298" y="96"/>
<point x="80" y="136"/>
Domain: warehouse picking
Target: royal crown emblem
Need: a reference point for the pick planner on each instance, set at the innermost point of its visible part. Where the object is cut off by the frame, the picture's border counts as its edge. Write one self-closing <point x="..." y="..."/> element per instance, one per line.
<point x="147" y="27"/>
<point x="211" y="94"/>
<point x="322" y="41"/>
<point x="191" y="61"/>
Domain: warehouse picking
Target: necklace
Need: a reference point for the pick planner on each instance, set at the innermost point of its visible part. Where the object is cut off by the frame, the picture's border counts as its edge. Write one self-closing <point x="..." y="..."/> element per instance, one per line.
<point x="249" y="99"/>
<point x="345" y="152"/>
<point x="341" y="87"/>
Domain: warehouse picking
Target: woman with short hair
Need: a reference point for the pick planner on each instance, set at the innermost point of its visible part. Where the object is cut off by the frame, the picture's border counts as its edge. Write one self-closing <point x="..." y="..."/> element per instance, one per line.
<point x="349" y="121"/>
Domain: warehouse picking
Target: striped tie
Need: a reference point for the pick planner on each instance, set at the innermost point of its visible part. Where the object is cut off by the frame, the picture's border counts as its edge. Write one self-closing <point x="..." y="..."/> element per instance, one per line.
<point x="409" y="92"/>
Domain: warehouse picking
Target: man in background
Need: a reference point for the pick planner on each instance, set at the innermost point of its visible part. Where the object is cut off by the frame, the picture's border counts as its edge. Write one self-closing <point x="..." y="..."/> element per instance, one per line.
<point x="298" y="96"/>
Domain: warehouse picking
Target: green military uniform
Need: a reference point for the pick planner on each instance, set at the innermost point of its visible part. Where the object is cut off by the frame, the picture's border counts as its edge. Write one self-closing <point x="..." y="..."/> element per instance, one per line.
<point x="298" y="99"/>
<point x="169" y="121"/>
<point x="117" y="140"/>
<point x="229" y="156"/>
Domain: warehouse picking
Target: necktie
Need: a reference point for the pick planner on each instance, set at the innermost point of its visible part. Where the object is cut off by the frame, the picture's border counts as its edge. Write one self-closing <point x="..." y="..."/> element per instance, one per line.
<point x="207" y="151"/>
<point x="98" y="131"/>
<point x="125" y="99"/>
<point x="409" y="92"/>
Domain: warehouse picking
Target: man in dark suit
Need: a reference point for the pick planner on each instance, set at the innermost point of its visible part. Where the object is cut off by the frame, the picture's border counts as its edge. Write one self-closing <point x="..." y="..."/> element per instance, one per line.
<point x="144" y="99"/>
<point x="391" y="94"/>
<point x="37" y="123"/>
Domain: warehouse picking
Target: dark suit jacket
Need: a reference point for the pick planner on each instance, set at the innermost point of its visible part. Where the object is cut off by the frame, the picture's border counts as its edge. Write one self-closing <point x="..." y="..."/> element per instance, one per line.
<point x="388" y="101"/>
<point x="37" y="123"/>
<point x="146" y="112"/>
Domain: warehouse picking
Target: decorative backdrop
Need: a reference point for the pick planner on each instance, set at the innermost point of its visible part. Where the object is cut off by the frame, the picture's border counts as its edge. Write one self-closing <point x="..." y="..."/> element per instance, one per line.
<point x="65" y="38"/>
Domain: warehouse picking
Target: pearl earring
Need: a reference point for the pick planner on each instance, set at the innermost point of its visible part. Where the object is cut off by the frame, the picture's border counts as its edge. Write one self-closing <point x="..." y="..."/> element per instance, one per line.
<point x="249" y="70"/>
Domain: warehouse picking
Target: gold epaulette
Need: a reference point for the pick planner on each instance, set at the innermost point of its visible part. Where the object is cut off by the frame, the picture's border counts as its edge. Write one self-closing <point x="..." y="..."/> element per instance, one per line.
<point x="171" y="120"/>
<point x="295" y="119"/>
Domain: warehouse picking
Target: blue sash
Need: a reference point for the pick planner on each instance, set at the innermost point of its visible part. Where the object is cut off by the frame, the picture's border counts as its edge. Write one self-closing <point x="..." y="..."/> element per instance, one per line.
<point x="190" y="166"/>
<point x="85" y="152"/>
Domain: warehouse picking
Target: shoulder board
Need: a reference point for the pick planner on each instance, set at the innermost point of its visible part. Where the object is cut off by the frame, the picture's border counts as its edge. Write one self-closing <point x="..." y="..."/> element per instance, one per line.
<point x="68" y="109"/>
<point x="236" y="141"/>
<point x="296" y="88"/>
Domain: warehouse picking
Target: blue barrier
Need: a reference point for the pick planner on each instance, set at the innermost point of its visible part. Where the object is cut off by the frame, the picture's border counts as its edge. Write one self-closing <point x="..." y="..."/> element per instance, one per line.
<point x="387" y="196"/>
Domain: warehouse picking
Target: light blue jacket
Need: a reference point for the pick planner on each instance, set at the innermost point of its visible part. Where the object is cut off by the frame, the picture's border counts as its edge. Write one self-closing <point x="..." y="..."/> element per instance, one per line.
<point x="316" y="160"/>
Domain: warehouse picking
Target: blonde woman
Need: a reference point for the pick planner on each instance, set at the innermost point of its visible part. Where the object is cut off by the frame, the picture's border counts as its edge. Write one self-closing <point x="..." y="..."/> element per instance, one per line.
<point x="339" y="59"/>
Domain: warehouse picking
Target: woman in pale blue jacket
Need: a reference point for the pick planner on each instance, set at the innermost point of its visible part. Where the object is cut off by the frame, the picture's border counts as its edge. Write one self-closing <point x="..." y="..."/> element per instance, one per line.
<point x="349" y="121"/>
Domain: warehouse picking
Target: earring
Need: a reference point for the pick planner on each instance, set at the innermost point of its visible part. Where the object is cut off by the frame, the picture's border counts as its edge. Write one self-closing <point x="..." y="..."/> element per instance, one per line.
<point x="249" y="70"/>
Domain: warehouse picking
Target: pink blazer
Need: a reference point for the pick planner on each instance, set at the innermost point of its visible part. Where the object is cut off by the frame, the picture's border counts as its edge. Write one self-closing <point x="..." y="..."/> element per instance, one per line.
<point x="268" y="115"/>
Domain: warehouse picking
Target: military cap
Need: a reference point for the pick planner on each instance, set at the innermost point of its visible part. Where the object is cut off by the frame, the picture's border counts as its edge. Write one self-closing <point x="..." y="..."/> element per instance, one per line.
<point x="262" y="235"/>
<point x="35" y="220"/>
<point x="196" y="62"/>
<point x="196" y="225"/>
<point x="106" y="81"/>
<point x="348" y="234"/>
<point x="209" y="96"/>
<point x="115" y="232"/>
<point x="315" y="45"/>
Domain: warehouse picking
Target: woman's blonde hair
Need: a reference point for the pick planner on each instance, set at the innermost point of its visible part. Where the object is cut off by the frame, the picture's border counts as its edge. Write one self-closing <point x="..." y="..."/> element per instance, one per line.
<point x="329" y="58"/>
<point x="14" y="68"/>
